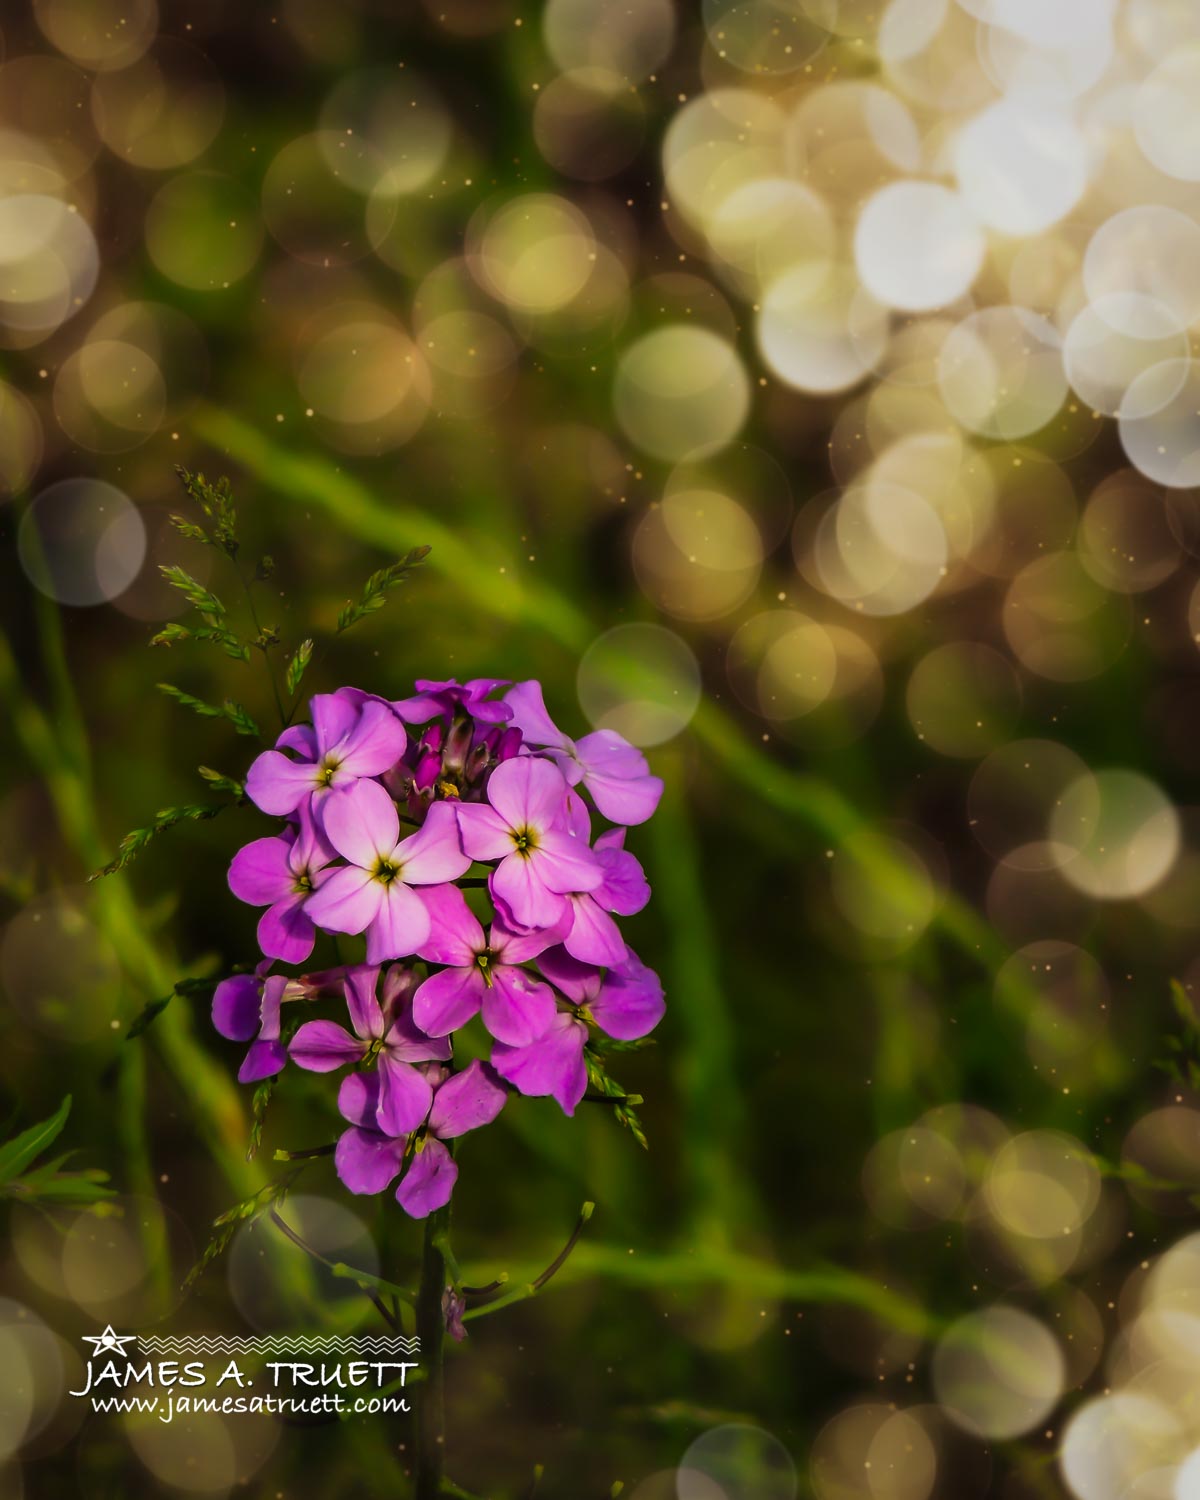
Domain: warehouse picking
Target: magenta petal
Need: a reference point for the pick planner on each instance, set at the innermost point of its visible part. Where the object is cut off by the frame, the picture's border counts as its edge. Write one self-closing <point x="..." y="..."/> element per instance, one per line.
<point x="530" y="716"/>
<point x="630" y="1003"/>
<point x="346" y="902"/>
<point x="625" y="888"/>
<point x="483" y="832"/>
<point x="527" y="792"/>
<point x="466" y="1101"/>
<point x="515" y="882"/>
<point x="406" y="1040"/>
<point x="359" y="820"/>
<point x="334" y="715"/>
<point x="237" y="1007"/>
<point x="618" y="777"/>
<point x="358" y="1099"/>
<point x="429" y="1181"/>
<point x="286" y="932"/>
<point x="594" y="937"/>
<point x="518" y="1008"/>
<point x="322" y="1046"/>
<point x="564" y="864"/>
<point x="375" y="743"/>
<point x="278" y="785"/>
<point x="260" y="874"/>
<point x="552" y="1065"/>
<point x="301" y="738"/>
<point x="455" y="936"/>
<point x="367" y="1161"/>
<point x="510" y="947"/>
<point x="578" y="981"/>
<point x="366" y="1013"/>
<point x="311" y="849"/>
<point x="400" y="925"/>
<point x="434" y="853"/>
<point x="404" y="1096"/>
<point x="263" y="1060"/>
<point x="448" y="1000"/>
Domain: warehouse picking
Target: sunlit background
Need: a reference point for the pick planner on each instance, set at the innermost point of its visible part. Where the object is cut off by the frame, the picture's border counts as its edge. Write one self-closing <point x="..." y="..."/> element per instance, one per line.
<point x="806" y="389"/>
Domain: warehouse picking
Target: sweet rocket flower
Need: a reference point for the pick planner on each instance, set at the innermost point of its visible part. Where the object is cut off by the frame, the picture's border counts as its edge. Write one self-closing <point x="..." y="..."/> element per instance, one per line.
<point x="367" y="1159"/>
<point x="281" y="873"/>
<point x="348" y="739"/>
<point x="614" y="772"/>
<point x="247" y="1007"/>
<point x="433" y="698"/>
<point x="626" y="1003"/>
<point x="523" y="828"/>
<point x="374" y="893"/>
<point x="385" y="1033"/>
<point x="482" y="973"/>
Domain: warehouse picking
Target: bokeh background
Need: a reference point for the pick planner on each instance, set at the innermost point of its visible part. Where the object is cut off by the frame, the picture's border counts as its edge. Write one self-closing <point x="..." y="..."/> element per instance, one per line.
<point x="803" y="387"/>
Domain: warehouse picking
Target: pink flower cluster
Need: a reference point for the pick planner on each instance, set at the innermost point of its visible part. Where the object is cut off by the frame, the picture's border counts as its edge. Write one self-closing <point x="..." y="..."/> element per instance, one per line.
<point x="452" y="832"/>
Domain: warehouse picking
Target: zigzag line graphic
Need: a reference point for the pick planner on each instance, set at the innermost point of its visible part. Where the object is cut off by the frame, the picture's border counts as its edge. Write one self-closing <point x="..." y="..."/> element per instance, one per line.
<point x="277" y="1344"/>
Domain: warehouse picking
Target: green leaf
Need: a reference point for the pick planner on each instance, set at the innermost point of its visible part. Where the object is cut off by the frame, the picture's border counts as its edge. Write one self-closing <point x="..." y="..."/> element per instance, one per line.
<point x="222" y="783"/>
<point x="249" y="1209"/>
<point x="229" y="643"/>
<point x="149" y="1013"/>
<point x="135" y="841"/>
<point x="258" y="1114"/>
<point x="298" y="665"/>
<point x="230" y="710"/>
<point x="377" y="587"/>
<point x="194" y="592"/>
<point x="623" y="1101"/>
<point x="17" y="1154"/>
<point x="216" y="501"/>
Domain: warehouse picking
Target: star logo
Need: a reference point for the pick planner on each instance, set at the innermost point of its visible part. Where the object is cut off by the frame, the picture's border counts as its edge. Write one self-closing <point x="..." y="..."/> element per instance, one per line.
<point x="108" y="1342"/>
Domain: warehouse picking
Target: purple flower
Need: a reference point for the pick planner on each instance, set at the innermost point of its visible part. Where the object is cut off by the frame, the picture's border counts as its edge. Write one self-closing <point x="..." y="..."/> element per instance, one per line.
<point x="281" y="873"/>
<point x="349" y="738"/>
<point x="374" y="893"/>
<point x="434" y="698"/>
<point x="385" y="1031"/>
<point x="523" y="828"/>
<point x="615" y="773"/>
<point x="482" y="974"/>
<point x="368" y="1159"/>
<point x="626" y="1003"/>
<point x="246" y="1008"/>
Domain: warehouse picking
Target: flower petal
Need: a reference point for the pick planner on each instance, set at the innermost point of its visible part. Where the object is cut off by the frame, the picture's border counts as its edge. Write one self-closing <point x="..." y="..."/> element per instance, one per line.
<point x="322" y="1046"/>
<point x="564" y="864"/>
<point x="263" y="1060"/>
<point x="237" y="1007"/>
<point x="618" y="777"/>
<point x="404" y="1096"/>
<point x="366" y="1013"/>
<point x="531" y="718"/>
<point x="360" y="822"/>
<point x="400" y="925"/>
<point x="466" y="1101"/>
<point x="630" y="1003"/>
<point x="358" y="1099"/>
<point x="552" y="1065"/>
<point x="346" y="902"/>
<point x="579" y="982"/>
<point x="286" y="932"/>
<point x="260" y="874"/>
<point x="515" y="881"/>
<point x="434" y="853"/>
<point x="367" y="1161"/>
<point x="333" y="717"/>
<point x="484" y="833"/>
<point x="448" y="1000"/>
<point x="375" y="743"/>
<point x="518" y="1008"/>
<point x="528" y="792"/>
<point x="277" y="784"/>
<point x="455" y="935"/>
<point x="594" y="937"/>
<point x="429" y="1181"/>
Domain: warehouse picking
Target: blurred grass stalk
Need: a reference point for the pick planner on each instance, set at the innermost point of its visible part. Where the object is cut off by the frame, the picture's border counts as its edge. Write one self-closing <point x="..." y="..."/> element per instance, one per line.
<point x="57" y="750"/>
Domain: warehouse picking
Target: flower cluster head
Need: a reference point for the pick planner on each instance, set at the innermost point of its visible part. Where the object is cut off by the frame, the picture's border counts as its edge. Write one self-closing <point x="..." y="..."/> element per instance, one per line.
<point x="449" y="836"/>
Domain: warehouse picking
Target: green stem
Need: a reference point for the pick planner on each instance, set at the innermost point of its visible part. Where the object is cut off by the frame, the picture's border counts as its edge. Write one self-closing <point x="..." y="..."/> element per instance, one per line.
<point x="284" y="716"/>
<point x="431" y="1330"/>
